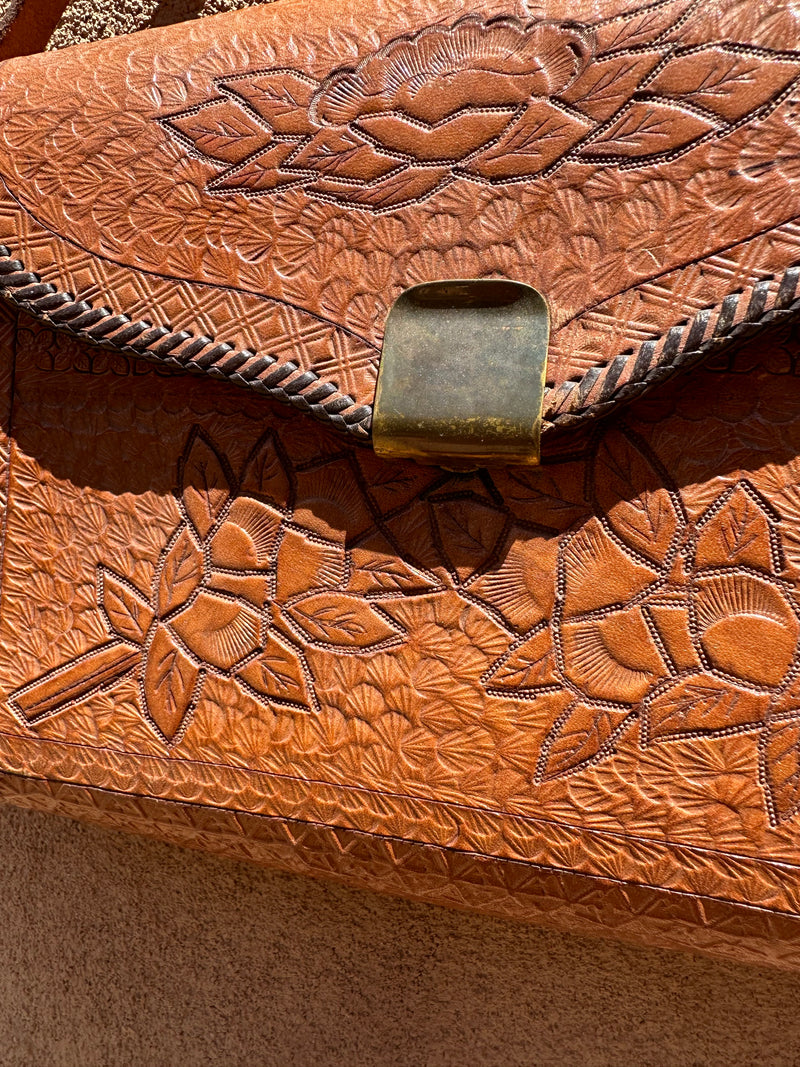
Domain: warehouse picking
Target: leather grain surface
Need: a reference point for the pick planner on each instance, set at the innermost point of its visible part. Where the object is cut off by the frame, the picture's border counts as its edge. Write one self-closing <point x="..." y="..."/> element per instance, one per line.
<point x="273" y="179"/>
<point x="567" y="694"/>
<point x="489" y="691"/>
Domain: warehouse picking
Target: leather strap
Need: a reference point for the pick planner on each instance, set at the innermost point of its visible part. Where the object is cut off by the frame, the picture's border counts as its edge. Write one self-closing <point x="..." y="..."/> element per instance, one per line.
<point x="27" y="25"/>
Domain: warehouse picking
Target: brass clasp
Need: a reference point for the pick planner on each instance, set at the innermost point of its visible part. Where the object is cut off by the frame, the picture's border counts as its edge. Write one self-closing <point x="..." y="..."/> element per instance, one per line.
<point x="461" y="379"/>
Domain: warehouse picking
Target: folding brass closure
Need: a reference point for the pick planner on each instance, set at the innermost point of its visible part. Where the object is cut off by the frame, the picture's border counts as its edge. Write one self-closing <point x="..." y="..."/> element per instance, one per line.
<point x="461" y="380"/>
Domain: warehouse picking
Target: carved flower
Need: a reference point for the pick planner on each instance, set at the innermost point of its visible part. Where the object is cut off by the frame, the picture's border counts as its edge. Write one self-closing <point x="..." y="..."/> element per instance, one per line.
<point x="491" y="101"/>
<point x="248" y="581"/>
<point x="683" y="629"/>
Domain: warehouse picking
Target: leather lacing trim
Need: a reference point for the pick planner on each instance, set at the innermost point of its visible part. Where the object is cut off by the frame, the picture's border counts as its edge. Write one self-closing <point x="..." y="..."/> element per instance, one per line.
<point x="283" y="381"/>
<point x="599" y="390"/>
<point x="769" y="301"/>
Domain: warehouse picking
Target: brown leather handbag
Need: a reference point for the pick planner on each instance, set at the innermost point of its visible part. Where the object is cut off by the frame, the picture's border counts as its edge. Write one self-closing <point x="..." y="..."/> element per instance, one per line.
<point x="519" y="634"/>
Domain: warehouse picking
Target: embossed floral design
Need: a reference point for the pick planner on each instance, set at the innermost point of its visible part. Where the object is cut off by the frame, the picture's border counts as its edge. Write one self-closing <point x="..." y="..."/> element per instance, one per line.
<point x="491" y="101"/>
<point x="246" y="584"/>
<point x="681" y="629"/>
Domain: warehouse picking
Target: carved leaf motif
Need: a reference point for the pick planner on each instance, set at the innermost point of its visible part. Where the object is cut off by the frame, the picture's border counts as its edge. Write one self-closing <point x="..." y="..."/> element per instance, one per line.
<point x="736" y="533"/>
<point x="376" y="574"/>
<point x="700" y="704"/>
<point x="261" y="173"/>
<point x="396" y="189"/>
<point x="128" y="612"/>
<point x="181" y="572"/>
<point x="728" y="82"/>
<point x="780" y="761"/>
<point x="265" y="475"/>
<point x="377" y="569"/>
<point x="647" y="128"/>
<point x="583" y="734"/>
<point x="343" y="621"/>
<point x="222" y="131"/>
<point x="277" y="671"/>
<point x="204" y="482"/>
<point x="170" y="679"/>
<point x="641" y="26"/>
<point x="529" y="666"/>
<point x="550" y="497"/>
<point x="631" y="492"/>
<point x="541" y="135"/>
<point x="469" y="531"/>
<point x="343" y="154"/>
<point x="609" y="83"/>
<point x="281" y="97"/>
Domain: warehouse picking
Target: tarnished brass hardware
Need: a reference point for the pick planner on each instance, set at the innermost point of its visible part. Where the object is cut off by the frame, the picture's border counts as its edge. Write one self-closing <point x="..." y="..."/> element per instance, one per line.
<point x="461" y="380"/>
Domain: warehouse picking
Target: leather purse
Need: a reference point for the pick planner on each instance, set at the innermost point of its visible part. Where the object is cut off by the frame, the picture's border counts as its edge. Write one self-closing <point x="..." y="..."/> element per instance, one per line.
<point x="561" y="688"/>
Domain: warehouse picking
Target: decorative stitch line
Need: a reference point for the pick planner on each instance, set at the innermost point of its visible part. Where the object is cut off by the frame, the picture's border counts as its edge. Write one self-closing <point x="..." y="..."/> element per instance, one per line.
<point x="596" y="393"/>
<point x="117" y="332"/>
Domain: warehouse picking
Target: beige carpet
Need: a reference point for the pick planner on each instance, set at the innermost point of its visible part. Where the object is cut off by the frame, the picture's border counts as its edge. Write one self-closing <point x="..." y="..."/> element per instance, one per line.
<point x="120" y="952"/>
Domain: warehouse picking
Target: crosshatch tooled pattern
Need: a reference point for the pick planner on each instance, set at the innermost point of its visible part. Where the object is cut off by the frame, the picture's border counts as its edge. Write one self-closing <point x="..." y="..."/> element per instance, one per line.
<point x="107" y="201"/>
<point x="614" y="636"/>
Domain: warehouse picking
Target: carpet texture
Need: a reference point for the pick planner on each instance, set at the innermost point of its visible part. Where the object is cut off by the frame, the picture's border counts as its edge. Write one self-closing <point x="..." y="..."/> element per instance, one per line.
<point x="122" y="952"/>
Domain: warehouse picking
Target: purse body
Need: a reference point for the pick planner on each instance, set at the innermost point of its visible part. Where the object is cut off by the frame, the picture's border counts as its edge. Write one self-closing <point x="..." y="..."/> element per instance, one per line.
<point x="566" y="694"/>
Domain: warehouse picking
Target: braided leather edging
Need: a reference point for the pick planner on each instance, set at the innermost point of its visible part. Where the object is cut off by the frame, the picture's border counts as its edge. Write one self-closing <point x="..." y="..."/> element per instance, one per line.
<point x="177" y="348"/>
<point x="568" y="405"/>
<point x="626" y="377"/>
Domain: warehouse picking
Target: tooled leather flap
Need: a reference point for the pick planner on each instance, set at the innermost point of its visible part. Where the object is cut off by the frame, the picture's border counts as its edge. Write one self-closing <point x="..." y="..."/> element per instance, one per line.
<point x="245" y="196"/>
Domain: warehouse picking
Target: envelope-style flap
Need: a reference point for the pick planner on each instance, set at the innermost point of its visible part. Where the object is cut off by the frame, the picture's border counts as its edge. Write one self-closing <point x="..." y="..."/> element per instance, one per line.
<point x="246" y="196"/>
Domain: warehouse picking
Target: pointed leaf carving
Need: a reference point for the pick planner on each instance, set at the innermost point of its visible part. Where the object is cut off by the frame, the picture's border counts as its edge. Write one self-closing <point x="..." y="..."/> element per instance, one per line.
<point x="221" y="130"/>
<point x="180" y="574"/>
<point x="260" y="173"/>
<point x="530" y="666"/>
<point x="469" y="531"/>
<point x="700" y="704"/>
<point x="398" y="188"/>
<point x="780" y="767"/>
<point x="541" y="135"/>
<point x="128" y="612"/>
<point x="169" y="683"/>
<point x="648" y="128"/>
<point x="343" y="154"/>
<point x="378" y="569"/>
<point x="265" y="475"/>
<point x="278" y="671"/>
<point x="581" y="736"/>
<point x="204" y="482"/>
<point x="641" y="25"/>
<point x="738" y="532"/>
<point x="728" y="81"/>
<point x="548" y="496"/>
<point x="346" y="622"/>
<point x="607" y="84"/>
<point x="281" y="97"/>
<point x="631" y="492"/>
